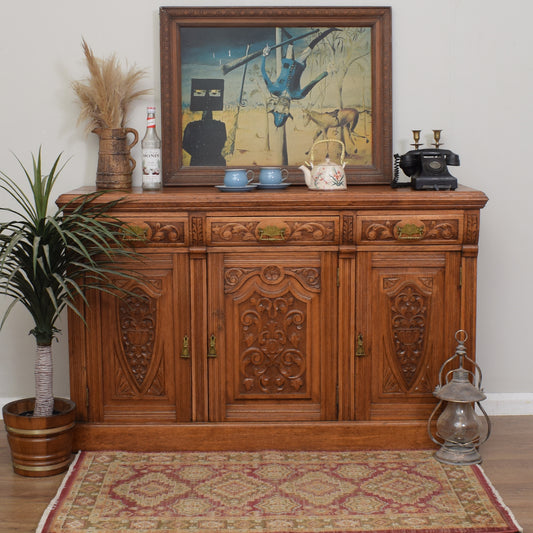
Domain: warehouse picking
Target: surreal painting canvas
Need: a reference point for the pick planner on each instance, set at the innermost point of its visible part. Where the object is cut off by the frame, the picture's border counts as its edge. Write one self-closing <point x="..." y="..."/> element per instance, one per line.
<point x="254" y="96"/>
<point x="250" y="95"/>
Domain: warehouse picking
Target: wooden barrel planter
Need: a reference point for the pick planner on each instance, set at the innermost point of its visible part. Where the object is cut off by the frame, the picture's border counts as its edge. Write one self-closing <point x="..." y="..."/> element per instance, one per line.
<point x="40" y="446"/>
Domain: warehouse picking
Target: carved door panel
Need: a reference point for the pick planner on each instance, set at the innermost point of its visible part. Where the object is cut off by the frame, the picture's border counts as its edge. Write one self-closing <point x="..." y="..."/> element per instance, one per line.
<point x="145" y="372"/>
<point x="273" y="320"/>
<point x="406" y="320"/>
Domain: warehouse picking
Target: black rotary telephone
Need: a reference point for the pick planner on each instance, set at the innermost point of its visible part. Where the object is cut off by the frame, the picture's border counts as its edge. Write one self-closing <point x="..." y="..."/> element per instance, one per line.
<point x="428" y="168"/>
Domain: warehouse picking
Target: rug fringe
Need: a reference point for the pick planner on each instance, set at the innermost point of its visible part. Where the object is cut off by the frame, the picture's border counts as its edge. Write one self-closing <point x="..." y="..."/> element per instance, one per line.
<point x="496" y="495"/>
<point x="52" y="505"/>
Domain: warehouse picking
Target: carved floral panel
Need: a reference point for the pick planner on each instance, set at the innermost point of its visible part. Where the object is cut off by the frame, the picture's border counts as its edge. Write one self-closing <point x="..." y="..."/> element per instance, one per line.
<point x="140" y="369"/>
<point x="409" y="304"/>
<point x="272" y="305"/>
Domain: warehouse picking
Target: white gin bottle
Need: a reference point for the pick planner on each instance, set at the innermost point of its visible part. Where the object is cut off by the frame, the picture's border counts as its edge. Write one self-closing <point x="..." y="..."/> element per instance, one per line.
<point x="151" y="148"/>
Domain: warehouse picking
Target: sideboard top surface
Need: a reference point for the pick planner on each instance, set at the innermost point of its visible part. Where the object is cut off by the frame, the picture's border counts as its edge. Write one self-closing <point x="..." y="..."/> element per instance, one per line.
<point x="298" y="198"/>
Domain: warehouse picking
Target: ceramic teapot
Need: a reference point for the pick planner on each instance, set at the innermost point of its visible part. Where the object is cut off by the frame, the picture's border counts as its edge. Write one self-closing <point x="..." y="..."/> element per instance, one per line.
<point x="325" y="176"/>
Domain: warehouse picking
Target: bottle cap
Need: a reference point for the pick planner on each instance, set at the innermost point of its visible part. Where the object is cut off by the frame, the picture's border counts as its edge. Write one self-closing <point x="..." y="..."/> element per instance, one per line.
<point x="150" y="109"/>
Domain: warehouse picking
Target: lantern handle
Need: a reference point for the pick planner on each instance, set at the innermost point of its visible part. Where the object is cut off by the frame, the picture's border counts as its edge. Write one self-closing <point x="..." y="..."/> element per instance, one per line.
<point x="461" y="337"/>
<point x="461" y="333"/>
<point x="450" y="372"/>
<point x="489" y="425"/>
<point x="430" y="432"/>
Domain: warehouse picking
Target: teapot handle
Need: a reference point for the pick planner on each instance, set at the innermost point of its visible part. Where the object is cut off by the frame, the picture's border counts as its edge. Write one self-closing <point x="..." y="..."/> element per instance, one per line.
<point x="328" y="141"/>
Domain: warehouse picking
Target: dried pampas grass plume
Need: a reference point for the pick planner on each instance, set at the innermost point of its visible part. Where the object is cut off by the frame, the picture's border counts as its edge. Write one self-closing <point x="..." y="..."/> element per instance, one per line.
<point x="107" y="93"/>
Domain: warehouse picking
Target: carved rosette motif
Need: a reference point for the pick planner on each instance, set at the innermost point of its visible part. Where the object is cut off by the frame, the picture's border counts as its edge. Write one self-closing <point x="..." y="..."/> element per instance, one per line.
<point x="235" y="277"/>
<point x="272" y="343"/>
<point x="409" y="308"/>
<point x="142" y="372"/>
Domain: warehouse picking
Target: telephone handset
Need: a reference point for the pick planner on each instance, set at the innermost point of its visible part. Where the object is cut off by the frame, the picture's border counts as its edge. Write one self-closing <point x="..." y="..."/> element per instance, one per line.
<point x="428" y="168"/>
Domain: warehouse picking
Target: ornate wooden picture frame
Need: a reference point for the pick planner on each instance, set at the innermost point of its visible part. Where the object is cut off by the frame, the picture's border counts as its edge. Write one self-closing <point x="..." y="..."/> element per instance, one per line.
<point x="250" y="87"/>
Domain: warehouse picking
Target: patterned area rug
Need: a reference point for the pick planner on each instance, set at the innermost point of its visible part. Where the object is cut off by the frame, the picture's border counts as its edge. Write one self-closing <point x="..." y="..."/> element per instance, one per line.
<point x="308" y="492"/>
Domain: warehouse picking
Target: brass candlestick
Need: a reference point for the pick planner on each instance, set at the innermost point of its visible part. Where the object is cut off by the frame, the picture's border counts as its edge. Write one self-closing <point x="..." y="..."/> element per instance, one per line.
<point x="416" y="138"/>
<point x="436" y="136"/>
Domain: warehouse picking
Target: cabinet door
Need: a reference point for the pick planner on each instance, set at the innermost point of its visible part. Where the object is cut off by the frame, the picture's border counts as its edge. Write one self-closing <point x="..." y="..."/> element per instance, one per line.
<point x="408" y="310"/>
<point x="273" y="321"/>
<point x="137" y="360"/>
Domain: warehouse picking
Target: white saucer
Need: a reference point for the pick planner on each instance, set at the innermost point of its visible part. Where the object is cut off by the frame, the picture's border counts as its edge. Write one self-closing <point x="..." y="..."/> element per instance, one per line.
<point x="249" y="187"/>
<point x="273" y="185"/>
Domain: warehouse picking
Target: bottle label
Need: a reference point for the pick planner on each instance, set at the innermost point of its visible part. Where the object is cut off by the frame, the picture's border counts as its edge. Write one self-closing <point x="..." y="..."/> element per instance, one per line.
<point x="151" y="182"/>
<point x="151" y="161"/>
<point x="150" y="122"/>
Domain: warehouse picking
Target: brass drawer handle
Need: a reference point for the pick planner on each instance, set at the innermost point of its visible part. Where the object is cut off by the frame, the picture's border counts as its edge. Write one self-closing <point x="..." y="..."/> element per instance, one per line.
<point x="185" y="353"/>
<point x="135" y="233"/>
<point x="271" y="233"/>
<point x="410" y="231"/>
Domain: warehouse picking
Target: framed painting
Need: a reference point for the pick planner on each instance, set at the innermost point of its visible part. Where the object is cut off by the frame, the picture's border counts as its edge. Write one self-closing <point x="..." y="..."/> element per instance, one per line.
<point x="252" y="87"/>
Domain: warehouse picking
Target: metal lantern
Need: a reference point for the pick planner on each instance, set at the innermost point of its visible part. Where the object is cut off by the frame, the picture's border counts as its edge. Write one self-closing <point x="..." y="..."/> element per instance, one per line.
<point x="458" y="427"/>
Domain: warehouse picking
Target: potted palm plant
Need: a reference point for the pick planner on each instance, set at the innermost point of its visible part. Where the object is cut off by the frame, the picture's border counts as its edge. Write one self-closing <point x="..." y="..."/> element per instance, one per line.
<point x="47" y="261"/>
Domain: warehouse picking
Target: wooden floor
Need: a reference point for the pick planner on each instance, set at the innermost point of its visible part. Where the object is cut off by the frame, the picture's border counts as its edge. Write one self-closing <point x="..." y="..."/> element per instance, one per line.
<point x="507" y="461"/>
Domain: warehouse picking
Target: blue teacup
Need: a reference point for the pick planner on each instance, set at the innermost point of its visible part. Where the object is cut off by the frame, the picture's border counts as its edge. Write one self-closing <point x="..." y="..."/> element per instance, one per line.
<point x="272" y="175"/>
<point x="238" y="177"/>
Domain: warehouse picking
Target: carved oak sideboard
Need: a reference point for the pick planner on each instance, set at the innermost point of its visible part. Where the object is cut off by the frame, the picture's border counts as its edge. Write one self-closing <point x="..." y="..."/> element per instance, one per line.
<point x="278" y="319"/>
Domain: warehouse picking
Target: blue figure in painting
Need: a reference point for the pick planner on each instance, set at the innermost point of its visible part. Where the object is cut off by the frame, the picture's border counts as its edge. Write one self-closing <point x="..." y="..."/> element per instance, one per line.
<point x="287" y="86"/>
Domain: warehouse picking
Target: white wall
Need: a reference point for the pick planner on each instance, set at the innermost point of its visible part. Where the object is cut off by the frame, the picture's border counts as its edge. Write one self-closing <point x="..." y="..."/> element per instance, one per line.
<point x="462" y="66"/>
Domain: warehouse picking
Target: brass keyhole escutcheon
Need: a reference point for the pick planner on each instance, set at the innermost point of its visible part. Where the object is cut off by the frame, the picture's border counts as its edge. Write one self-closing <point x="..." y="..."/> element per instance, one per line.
<point x="360" y="347"/>
<point x="212" y="350"/>
<point x="185" y="352"/>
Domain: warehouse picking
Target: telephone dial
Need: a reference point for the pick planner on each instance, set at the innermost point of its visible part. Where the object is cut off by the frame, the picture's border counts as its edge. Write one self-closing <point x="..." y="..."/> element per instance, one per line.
<point x="428" y="168"/>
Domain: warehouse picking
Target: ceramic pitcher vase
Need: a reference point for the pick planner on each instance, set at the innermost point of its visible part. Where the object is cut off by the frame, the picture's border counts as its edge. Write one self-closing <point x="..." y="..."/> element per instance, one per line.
<point x="115" y="164"/>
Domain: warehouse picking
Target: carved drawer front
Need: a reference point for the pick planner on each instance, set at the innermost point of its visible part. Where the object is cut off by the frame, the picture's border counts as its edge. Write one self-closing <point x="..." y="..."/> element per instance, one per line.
<point x="409" y="228"/>
<point x="162" y="230"/>
<point x="222" y="231"/>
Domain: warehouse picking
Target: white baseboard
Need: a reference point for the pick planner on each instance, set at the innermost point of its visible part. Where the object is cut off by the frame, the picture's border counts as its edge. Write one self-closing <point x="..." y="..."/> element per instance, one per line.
<point x="3" y="401"/>
<point x="504" y="403"/>
<point x="497" y="403"/>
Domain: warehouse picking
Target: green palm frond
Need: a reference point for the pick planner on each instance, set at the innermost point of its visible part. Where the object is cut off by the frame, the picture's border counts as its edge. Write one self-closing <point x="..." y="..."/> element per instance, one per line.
<point x="48" y="261"/>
